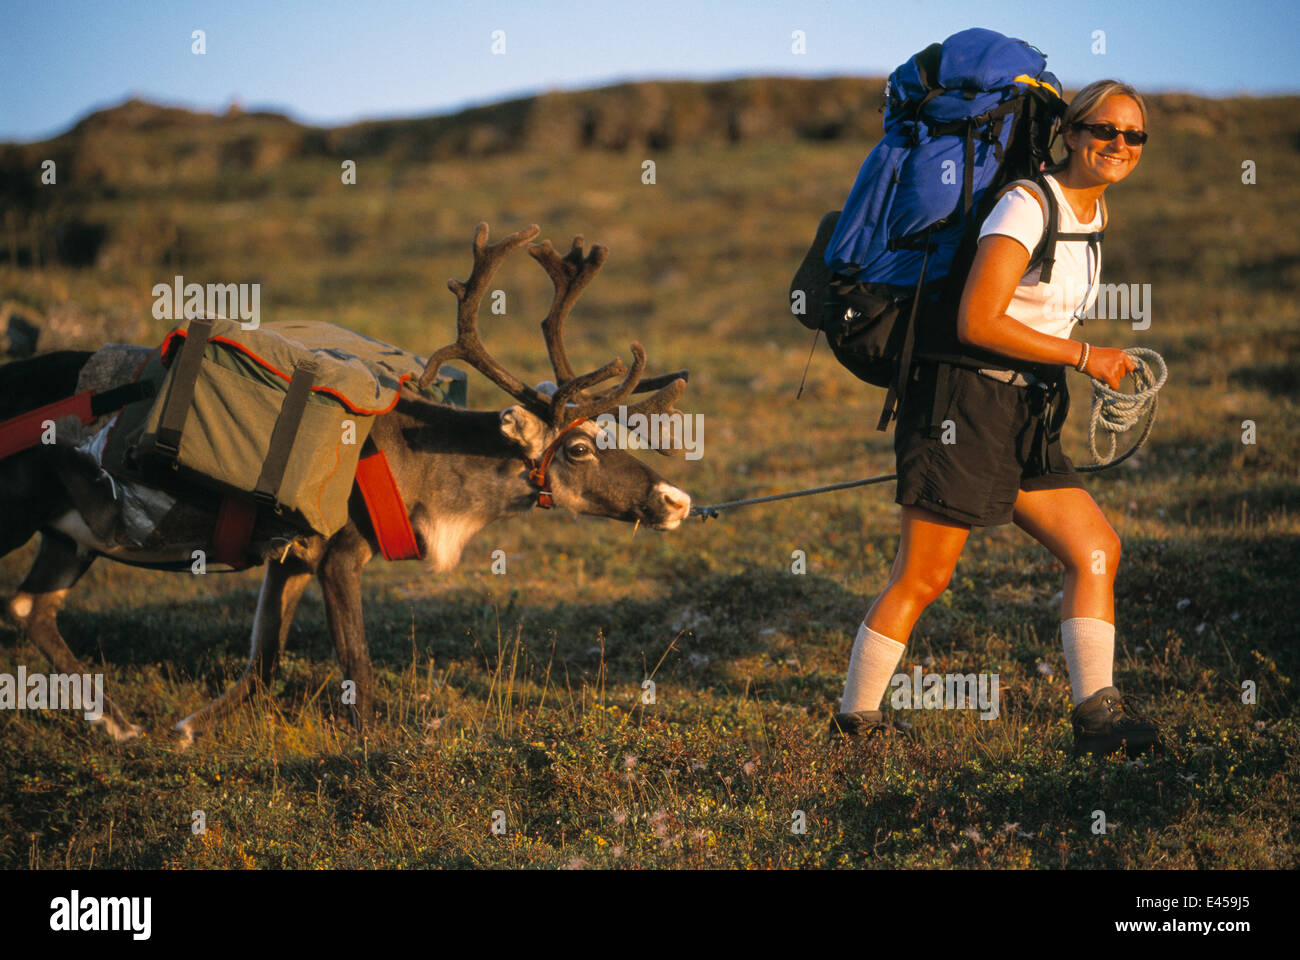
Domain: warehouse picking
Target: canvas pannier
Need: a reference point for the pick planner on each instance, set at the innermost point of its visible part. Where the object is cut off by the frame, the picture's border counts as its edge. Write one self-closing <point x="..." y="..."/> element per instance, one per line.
<point x="279" y="413"/>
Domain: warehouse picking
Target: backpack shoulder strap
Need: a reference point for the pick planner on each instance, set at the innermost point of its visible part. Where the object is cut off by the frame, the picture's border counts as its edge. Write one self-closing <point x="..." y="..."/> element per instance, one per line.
<point x="1033" y="186"/>
<point x="1093" y="237"/>
<point x="1045" y="250"/>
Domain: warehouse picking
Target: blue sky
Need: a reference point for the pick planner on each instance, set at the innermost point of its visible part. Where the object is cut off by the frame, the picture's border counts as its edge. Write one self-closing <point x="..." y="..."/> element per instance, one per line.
<point x="332" y="62"/>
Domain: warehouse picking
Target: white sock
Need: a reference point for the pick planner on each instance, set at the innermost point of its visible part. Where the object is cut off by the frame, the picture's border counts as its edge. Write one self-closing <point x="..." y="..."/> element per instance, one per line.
<point x="871" y="667"/>
<point x="1089" y="654"/>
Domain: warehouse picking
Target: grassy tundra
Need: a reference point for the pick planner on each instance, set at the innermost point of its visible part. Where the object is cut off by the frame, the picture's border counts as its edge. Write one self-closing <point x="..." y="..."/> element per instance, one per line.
<point x="522" y="692"/>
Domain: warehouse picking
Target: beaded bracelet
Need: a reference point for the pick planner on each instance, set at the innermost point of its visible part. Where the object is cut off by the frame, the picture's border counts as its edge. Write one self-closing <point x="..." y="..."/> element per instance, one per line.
<point x="1082" y="365"/>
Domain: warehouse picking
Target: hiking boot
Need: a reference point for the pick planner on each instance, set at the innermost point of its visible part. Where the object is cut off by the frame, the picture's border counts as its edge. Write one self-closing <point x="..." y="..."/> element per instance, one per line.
<point x="1107" y="721"/>
<point x="860" y="726"/>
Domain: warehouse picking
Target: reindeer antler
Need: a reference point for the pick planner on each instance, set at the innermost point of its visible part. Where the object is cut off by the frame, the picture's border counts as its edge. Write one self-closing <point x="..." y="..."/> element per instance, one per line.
<point x="469" y="296"/>
<point x="569" y="274"/>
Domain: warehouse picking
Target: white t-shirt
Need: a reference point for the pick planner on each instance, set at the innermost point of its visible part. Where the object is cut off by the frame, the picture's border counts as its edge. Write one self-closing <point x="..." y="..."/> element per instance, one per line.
<point x="1052" y="308"/>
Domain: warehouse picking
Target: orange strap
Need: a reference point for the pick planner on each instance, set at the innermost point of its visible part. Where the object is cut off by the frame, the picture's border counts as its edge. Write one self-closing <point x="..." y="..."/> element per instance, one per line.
<point x="234" y="530"/>
<point x="25" y="431"/>
<point x="537" y="468"/>
<point x="387" y="511"/>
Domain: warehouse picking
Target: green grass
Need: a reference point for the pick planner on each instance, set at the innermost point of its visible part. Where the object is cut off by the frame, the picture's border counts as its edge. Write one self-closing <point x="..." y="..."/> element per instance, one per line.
<point x="521" y="693"/>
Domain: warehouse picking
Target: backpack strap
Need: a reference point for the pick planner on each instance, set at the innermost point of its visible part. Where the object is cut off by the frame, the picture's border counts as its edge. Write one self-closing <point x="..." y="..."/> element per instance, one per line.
<point x="285" y="431"/>
<point x="1049" y="256"/>
<point x="898" y="388"/>
<point x="1045" y="251"/>
<point x="990" y="123"/>
<point x="176" y="406"/>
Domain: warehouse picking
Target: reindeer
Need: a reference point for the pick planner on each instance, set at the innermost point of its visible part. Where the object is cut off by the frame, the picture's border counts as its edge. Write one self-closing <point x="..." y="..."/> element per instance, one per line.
<point x="457" y="471"/>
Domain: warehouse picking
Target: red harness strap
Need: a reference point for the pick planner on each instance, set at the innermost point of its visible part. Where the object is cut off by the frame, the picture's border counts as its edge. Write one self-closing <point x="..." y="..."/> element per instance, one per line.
<point x="234" y="530"/>
<point x="387" y="511"/>
<point x="25" y="431"/>
<point x="383" y="501"/>
<point x="537" y="468"/>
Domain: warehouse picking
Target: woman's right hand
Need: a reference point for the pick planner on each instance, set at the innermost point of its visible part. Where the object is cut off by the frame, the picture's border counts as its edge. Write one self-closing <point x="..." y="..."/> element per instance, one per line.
<point x="1109" y="365"/>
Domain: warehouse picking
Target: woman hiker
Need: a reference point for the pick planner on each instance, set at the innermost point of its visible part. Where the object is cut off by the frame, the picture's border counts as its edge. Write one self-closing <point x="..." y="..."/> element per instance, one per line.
<point x="1004" y="462"/>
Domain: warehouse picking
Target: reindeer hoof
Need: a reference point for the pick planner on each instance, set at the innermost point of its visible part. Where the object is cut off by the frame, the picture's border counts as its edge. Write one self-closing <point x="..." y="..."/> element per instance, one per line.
<point x="120" y="732"/>
<point x="182" y="735"/>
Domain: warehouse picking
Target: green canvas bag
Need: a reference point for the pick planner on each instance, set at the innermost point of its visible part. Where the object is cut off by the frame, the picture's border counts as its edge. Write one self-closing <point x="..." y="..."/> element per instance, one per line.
<point x="279" y="412"/>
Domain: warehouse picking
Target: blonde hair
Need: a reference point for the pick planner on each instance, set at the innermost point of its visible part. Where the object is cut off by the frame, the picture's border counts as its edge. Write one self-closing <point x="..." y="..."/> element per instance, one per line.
<point x="1088" y="100"/>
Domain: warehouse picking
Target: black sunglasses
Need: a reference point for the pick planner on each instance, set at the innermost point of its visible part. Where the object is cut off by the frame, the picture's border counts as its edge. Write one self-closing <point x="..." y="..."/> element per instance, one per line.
<point x="1108" y="132"/>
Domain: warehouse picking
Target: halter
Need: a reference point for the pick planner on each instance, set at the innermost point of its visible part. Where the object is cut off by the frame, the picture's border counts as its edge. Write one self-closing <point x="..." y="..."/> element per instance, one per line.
<point x="537" y="468"/>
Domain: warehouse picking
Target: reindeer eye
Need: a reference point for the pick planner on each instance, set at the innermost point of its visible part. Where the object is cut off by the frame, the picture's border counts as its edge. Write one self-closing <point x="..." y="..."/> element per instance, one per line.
<point x="579" y="451"/>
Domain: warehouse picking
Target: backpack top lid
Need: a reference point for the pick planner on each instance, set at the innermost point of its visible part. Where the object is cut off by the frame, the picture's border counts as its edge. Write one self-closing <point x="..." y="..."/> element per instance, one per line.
<point x="965" y="75"/>
<point x="983" y="59"/>
<point x="962" y="116"/>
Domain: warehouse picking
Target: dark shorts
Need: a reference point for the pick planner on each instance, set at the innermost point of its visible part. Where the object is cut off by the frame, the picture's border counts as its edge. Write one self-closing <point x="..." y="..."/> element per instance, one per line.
<point x="966" y="444"/>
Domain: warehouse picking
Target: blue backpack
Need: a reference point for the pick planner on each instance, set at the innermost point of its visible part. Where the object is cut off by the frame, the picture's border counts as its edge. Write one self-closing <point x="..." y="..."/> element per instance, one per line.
<point x="964" y="120"/>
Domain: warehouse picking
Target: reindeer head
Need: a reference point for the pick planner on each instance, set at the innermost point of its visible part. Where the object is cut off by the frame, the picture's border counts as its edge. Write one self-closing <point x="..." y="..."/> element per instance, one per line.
<point x="555" y="430"/>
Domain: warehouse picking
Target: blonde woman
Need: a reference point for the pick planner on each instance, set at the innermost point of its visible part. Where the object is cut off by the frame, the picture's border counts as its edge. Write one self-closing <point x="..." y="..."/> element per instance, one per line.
<point x="1003" y="461"/>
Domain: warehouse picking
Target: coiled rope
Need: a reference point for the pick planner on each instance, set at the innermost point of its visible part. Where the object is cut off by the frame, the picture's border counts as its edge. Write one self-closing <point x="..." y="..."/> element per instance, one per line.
<point x="1112" y="410"/>
<point x="1117" y="412"/>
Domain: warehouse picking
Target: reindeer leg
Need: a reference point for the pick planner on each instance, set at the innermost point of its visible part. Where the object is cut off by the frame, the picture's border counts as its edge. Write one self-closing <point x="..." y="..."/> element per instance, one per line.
<point x="340" y="577"/>
<point x="59" y="564"/>
<point x="282" y="588"/>
<point x="30" y="494"/>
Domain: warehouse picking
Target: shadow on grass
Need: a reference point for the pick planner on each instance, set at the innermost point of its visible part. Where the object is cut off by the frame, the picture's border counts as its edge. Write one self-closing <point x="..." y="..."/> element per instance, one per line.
<point x="716" y="617"/>
<point x="692" y="634"/>
<point x="1180" y="460"/>
<point x="1273" y="378"/>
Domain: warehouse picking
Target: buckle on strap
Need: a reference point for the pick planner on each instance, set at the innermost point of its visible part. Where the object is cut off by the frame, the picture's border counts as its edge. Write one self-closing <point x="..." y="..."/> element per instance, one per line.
<point x="537" y="469"/>
<point x="1013" y="377"/>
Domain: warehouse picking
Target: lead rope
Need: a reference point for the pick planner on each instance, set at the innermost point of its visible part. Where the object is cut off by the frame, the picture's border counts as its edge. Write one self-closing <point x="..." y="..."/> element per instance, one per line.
<point x="1114" y="411"/>
<point x="1117" y="412"/>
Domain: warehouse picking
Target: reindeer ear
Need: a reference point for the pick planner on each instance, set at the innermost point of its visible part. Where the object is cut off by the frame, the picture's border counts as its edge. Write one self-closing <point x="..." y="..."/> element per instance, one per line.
<point x="524" y="430"/>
